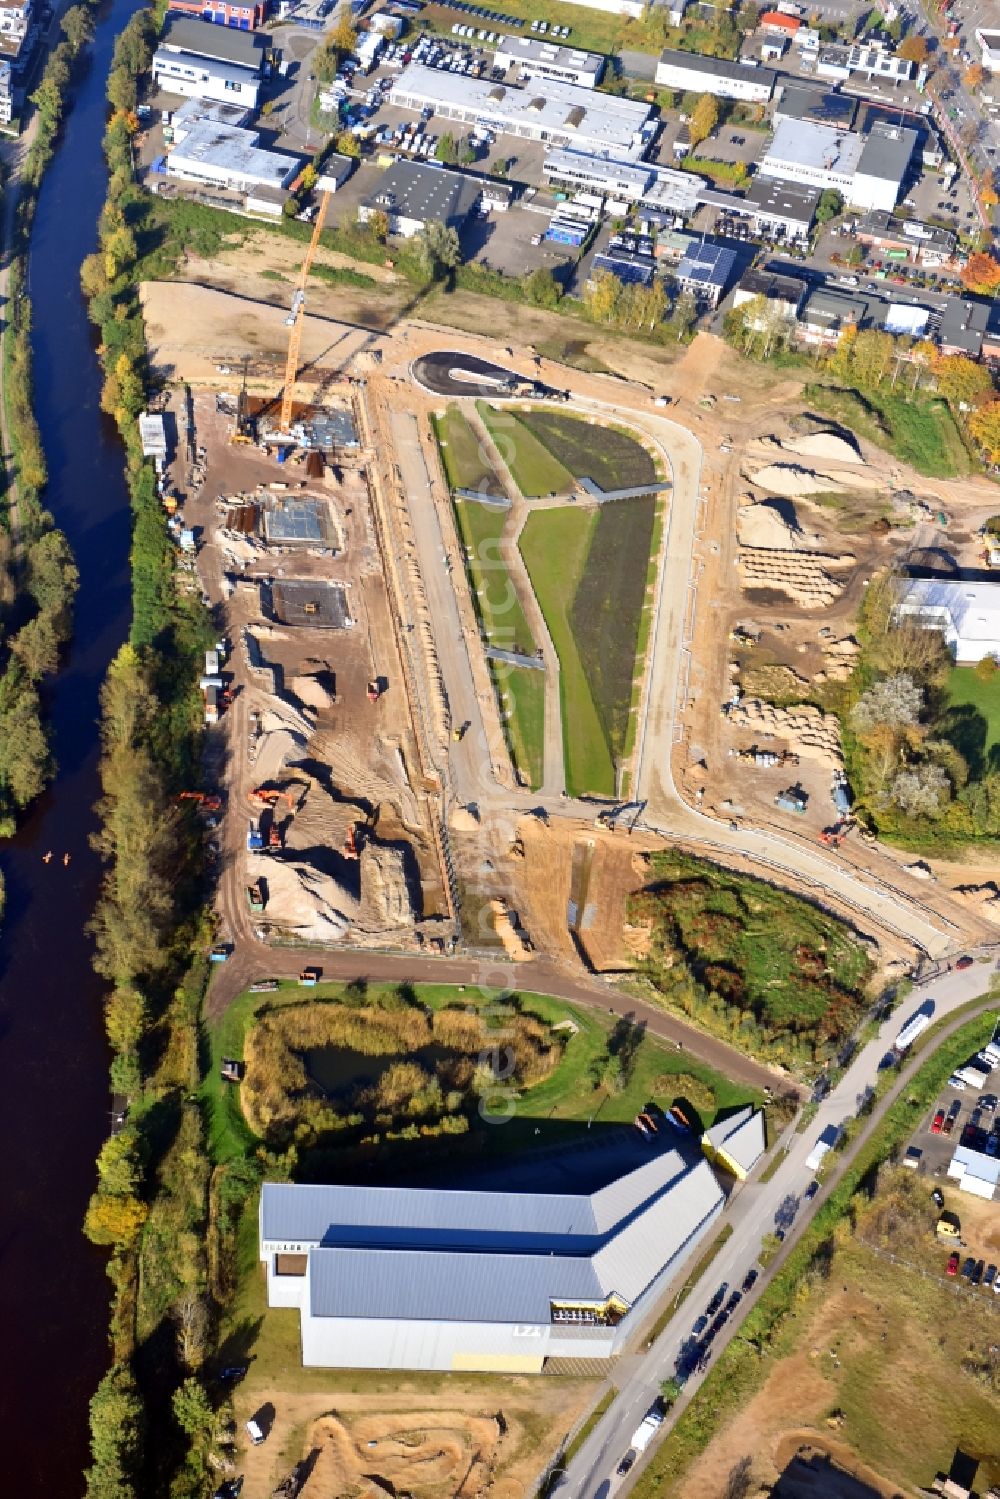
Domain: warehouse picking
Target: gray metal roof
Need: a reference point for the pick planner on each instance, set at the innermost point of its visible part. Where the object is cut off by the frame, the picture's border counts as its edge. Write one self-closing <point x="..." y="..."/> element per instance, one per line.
<point x="486" y="1286"/>
<point x="697" y="62"/>
<point x="227" y="43"/>
<point x="408" y="1217"/>
<point x="741" y="1136"/>
<point x="424" y="193"/>
<point x="887" y="152"/>
<point x="792" y="200"/>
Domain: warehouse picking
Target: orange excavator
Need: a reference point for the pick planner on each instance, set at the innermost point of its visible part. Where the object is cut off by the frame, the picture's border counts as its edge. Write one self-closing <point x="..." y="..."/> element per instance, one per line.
<point x="265" y="797"/>
<point x="205" y="803"/>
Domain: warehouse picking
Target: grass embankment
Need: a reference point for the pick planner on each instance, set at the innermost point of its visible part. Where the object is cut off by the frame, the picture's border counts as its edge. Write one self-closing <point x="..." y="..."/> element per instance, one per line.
<point x="535" y="470"/>
<point x="612" y="458"/>
<point x="555" y="545"/>
<point x="598" y="31"/>
<point x="567" y="1096"/>
<point x="521" y="690"/>
<point x="767" y="971"/>
<point x="875" y="1387"/>
<point x="919" y="430"/>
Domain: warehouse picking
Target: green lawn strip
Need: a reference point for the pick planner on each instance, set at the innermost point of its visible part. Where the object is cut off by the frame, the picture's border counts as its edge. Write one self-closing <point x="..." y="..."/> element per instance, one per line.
<point x="522" y="698"/>
<point x="605" y="1403"/>
<point x="972" y="723"/>
<point x="920" y="430"/>
<point x="566" y="1095"/>
<point x="465" y="465"/>
<point x="496" y="603"/>
<point x="773" y="1164"/>
<point x="342" y="275"/>
<point x="701" y="1265"/>
<point x="554" y="545"/>
<point x="534" y="469"/>
<point x="592" y="450"/>
<point x="607" y="609"/>
<point x="745" y="1363"/>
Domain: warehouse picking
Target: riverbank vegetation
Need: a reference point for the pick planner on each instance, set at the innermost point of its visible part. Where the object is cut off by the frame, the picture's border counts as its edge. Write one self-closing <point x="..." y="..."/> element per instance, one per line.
<point x="920" y="734"/>
<point x="152" y="1201"/>
<point x="39" y="577"/>
<point x="765" y="971"/>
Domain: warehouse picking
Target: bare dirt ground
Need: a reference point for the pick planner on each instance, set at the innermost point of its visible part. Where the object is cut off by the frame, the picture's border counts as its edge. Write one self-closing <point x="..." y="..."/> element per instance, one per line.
<point x="390" y="1440"/>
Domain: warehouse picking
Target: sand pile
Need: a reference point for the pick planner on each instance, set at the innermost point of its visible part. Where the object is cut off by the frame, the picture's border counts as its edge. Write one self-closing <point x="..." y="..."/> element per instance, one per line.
<point x="312" y="692"/>
<point x="385" y="891"/>
<point x="985" y="899"/>
<point x="829" y="447"/>
<point x="302" y="900"/>
<point x="793" y="479"/>
<point x="805" y="730"/>
<point x="284" y="734"/>
<point x="463" y="820"/>
<point x="505" y="923"/>
<point x="802" y="575"/>
<point x="771" y="525"/>
<point x="839" y="657"/>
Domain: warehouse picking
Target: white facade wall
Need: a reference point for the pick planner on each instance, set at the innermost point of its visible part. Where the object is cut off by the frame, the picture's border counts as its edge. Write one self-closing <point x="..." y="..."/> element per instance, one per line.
<point x="183" y="73"/>
<point x="747" y="90"/>
<point x="360" y="1343"/>
<point x="872" y="192"/>
<point x="808" y="174"/>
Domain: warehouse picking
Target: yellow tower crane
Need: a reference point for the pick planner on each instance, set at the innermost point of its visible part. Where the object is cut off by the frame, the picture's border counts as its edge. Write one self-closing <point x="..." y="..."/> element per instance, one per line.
<point x="295" y="318"/>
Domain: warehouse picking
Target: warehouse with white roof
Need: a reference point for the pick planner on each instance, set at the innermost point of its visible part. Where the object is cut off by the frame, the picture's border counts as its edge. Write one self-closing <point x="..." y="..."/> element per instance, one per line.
<point x="560" y="113"/>
<point x="227" y="157"/>
<point x="967" y="614"/>
<point x="543" y="59"/>
<point x="408" y="1278"/>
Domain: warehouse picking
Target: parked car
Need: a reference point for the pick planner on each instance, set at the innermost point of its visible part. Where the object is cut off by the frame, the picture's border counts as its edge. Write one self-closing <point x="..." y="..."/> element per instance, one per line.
<point x="968" y="1267"/>
<point x="749" y="1280"/>
<point x="626" y="1463"/>
<point x="734" y="1301"/>
<point x="977" y="1273"/>
<point x="965" y="961"/>
<point x="953" y="1262"/>
<point x="948" y="1125"/>
<point x="988" y="1103"/>
<point x="937" y="1197"/>
<point x="937" y="1122"/>
<point x="990" y="1276"/>
<point x="811" y="1191"/>
<point x="255" y="1432"/>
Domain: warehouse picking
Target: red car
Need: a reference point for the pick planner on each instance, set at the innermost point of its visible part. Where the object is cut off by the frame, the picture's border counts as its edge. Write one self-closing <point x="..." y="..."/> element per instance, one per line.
<point x="953" y="1262"/>
<point x="965" y="962"/>
<point x="937" y="1122"/>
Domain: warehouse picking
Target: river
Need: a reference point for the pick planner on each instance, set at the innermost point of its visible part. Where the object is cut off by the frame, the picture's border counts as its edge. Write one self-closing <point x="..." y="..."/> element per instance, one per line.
<point x="53" y="1058"/>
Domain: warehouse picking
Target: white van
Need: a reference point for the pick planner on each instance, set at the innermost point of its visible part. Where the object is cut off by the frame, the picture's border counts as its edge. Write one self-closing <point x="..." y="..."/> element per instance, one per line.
<point x="255" y="1433"/>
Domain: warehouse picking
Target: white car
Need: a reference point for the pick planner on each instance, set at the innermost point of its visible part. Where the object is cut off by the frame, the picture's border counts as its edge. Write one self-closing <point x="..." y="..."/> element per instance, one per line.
<point x="255" y="1433"/>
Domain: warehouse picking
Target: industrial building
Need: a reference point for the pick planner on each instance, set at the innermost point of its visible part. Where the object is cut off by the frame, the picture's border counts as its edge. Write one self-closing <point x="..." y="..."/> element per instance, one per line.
<point x="906" y="239"/>
<point x="239" y="13"/>
<point x="206" y="112"/>
<point x="541" y="59"/>
<point x="221" y="43"/>
<point x="784" y="293"/>
<point x="196" y="77"/>
<point x="781" y="210"/>
<point x="6" y="93"/>
<point x="694" y="73"/>
<point x="867" y="170"/>
<point x="966" y="613"/>
<point x="736" y="1143"/>
<point x="706" y="271"/>
<point x="230" y="158"/>
<point x="989" y="48"/>
<point x="413" y="194"/>
<point x="806" y="101"/>
<point x="410" y="1278"/>
<point x="866" y="60"/>
<point x="975" y="1171"/>
<point x="624" y="181"/>
<point x="559" y="113"/>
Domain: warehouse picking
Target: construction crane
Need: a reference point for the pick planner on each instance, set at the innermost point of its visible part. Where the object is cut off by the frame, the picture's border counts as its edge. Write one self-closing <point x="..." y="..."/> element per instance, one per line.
<point x="295" y="318"/>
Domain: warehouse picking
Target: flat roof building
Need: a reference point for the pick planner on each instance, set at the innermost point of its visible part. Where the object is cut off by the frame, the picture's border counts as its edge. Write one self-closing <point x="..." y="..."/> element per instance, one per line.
<point x="226" y="157"/>
<point x="967" y="614"/>
<point x="410" y="1278"/>
<point x="625" y="181"/>
<point x="706" y="271"/>
<point x="882" y="230"/>
<point x="784" y="292"/>
<point x="989" y="48"/>
<point x="413" y="194"/>
<point x="206" y="111"/>
<point x="785" y="210"/>
<point x="975" y="1171"/>
<point x="559" y="113"/>
<point x="693" y="72"/>
<point x="223" y="43"/>
<point x="821" y="106"/>
<point x="868" y="170"/>
<point x="196" y="77"/>
<point x="542" y="59"/>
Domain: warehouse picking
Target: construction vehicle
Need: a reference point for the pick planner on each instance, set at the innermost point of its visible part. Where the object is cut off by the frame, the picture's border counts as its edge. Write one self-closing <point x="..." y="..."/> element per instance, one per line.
<point x="220" y="952"/>
<point x="274" y="841"/>
<point x="245" y="429"/>
<point x="458" y="732"/>
<point x="374" y="690"/>
<point x="352" y="843"/>
<point x="204" y="802"/>
<point x="266" y="796"/>
<point x="834" y="836"/>
<point x="765" y="759"/>
<point x="232" y="1071"/>
<point x="296" y="317"/>
<point x="255" y="898"/>
<point x="311" y="608"/>
<point x="792" y="800"/>
<point x="255" y="838"/>
<point x="309" y="977"/>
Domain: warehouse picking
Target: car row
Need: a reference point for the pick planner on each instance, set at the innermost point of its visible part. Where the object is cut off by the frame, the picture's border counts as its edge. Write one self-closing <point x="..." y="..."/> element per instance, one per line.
<point x="496" y="17"/>
<point x="543" y="28"/>
<point x="976" y="1272"/>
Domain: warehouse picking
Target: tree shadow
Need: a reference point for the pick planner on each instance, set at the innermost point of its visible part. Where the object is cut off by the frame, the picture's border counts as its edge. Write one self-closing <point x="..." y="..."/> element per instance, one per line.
<point x="626" y="1037"/>
<point x="965" y="728"/>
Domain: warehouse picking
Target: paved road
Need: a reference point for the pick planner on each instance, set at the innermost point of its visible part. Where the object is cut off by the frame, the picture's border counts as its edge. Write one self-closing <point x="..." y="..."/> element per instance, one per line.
<point x="756" y="1209"/>
<point x="456" y="375"/>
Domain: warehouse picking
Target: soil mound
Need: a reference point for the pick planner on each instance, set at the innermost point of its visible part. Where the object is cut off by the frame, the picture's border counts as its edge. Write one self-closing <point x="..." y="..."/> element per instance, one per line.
<point x="829" y="447"/>
<point x="772" y="524"/>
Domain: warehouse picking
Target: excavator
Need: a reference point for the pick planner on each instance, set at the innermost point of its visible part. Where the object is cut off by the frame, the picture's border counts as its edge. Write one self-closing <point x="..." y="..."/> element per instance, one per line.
<point x="357" y="834"/>
<point x="205" y="803"/>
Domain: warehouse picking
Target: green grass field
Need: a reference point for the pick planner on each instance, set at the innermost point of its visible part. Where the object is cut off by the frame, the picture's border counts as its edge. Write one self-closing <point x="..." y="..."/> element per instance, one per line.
<point x="566" y="1096"/>
<point x="534" y="469"/>
<point x="608" y="606"/>
<point x="522" y="698"/>
<point x="465" y="466"/>
<point x="555" y="545"/>
<point x="972" y="719"/>
<point x="613" y="459"/>
<point x="920" y="432"/>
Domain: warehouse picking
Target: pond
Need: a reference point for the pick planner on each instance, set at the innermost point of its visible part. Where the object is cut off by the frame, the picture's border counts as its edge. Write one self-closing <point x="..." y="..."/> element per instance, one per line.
<point x="339" y="1071"/>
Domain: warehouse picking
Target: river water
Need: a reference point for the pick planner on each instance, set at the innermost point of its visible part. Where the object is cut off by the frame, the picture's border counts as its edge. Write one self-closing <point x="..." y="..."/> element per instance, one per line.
<point x="53" y="1059"/>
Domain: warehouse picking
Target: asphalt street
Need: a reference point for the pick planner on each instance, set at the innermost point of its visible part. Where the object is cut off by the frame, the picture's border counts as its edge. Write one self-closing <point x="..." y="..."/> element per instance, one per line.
<point x="756" y="1209"/>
